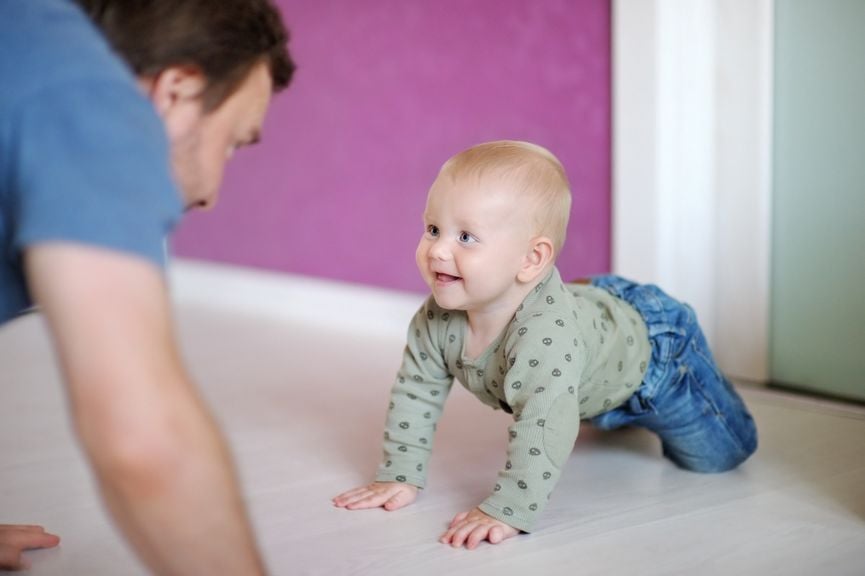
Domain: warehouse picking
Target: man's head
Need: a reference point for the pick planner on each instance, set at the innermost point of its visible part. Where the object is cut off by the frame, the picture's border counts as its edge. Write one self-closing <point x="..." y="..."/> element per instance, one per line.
<point x="209" y="67"/>
<point x="221" y="39"/>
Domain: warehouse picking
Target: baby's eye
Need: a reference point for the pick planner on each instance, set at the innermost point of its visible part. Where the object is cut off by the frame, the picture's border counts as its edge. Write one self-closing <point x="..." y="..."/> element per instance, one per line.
<point x="432" y="230"/>
<point x="466" y="238"/>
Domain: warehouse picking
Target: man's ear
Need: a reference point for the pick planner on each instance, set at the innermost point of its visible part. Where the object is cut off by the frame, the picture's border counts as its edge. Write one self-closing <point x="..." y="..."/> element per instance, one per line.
<point x="176" y="96"/>
<point x="174" y="86"/>
<point x="540" y="255"/>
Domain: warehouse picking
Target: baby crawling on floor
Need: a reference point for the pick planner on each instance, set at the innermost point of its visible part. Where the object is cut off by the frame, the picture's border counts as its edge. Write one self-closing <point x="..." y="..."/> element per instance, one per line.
<point x="502" y="322"/>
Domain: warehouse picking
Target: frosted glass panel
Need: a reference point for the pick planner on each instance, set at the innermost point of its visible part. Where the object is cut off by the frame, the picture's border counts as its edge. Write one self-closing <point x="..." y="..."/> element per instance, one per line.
<point x="818" y="271"/>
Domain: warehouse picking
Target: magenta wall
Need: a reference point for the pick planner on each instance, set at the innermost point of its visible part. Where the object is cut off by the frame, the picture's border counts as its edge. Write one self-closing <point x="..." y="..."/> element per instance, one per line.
<point x="385" y="92"/>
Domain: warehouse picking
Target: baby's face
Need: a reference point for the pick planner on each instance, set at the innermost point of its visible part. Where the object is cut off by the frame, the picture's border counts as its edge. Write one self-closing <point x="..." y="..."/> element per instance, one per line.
<point x="476" y="238"/>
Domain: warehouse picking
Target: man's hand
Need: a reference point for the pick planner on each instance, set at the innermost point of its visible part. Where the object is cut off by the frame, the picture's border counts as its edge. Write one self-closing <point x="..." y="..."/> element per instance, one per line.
<point x="473" y="527"/>
<point x="388" y="495"/>
<point x="14" y="539"/>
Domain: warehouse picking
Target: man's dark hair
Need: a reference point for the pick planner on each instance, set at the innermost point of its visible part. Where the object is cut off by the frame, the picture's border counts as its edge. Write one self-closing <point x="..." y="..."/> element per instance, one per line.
<point x="224" y="39"/>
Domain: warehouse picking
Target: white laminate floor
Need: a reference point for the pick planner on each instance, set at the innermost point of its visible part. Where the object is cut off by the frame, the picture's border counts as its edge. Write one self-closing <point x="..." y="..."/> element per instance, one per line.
<point x="302" y="402"/>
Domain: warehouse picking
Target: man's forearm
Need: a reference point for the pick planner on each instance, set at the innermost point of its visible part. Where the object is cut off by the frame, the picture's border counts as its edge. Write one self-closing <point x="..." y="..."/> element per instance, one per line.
<point x="176" y="497"/>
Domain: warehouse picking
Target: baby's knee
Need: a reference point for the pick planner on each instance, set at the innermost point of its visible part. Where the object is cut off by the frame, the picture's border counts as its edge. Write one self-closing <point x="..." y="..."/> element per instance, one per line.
<point x="721" y="456"/>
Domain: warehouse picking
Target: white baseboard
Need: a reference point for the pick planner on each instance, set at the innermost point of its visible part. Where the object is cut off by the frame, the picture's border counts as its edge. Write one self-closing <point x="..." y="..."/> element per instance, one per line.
<point x="298" y="299"/>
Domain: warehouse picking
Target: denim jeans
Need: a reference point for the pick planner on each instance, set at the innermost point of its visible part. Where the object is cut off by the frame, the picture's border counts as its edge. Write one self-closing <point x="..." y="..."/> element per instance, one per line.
<point x="702" y="422"/>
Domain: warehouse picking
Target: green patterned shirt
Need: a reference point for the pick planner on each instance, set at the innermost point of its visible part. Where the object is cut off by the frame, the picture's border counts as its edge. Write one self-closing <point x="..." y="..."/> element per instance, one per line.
<point x="570" y="352"/>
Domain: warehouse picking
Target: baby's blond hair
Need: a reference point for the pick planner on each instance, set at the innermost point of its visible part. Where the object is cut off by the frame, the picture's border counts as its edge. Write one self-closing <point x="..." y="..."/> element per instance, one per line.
<point x="527" y="169"/>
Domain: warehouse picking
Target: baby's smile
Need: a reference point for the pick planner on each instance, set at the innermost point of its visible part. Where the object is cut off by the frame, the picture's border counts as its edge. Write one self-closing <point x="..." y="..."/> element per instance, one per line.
<point x="446" y="278"/>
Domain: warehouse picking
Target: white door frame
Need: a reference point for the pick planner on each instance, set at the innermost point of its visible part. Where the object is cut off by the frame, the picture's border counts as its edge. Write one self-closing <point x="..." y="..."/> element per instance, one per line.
<point x="692" y="163"/>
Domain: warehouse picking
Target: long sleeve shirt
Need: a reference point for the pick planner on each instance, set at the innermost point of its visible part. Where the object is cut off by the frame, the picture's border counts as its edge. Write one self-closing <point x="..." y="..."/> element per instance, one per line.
<point x="570" y="352"/>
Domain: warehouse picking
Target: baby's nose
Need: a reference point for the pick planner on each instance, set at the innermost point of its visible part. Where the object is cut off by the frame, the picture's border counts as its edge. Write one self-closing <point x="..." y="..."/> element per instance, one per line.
<point x="440" y="250"/>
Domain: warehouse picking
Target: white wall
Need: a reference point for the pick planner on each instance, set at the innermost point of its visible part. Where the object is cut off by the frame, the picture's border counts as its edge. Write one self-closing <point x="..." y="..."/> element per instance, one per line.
<point x="692" y="163"/>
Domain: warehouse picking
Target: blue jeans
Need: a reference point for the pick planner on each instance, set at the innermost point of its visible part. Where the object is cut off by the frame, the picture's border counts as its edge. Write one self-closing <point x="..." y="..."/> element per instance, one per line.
<point x="702" y="422"/>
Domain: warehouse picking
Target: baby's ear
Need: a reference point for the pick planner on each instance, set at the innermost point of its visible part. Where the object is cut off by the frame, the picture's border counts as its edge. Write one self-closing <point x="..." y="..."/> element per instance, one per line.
<point x="539" y="256"/>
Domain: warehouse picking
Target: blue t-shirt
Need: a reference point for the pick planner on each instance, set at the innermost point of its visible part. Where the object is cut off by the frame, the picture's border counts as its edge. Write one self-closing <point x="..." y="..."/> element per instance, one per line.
<point x="83" y="155"/>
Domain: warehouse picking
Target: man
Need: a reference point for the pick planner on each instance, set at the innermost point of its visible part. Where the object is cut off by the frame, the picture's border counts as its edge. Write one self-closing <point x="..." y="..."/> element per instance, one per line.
<point x="98" y="157"/>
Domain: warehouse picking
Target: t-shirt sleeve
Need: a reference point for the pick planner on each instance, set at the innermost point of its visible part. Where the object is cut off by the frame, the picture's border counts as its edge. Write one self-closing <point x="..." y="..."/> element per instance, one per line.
<point x="91" y="165"/>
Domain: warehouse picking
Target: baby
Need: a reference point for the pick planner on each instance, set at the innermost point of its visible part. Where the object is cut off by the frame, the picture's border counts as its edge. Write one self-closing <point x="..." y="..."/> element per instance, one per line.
<point x="502" y="322"/>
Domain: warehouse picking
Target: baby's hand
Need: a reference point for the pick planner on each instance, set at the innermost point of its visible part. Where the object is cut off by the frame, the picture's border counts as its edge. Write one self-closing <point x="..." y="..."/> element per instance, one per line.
<point x="473" y="527"/>
<point x="388" y="495"/>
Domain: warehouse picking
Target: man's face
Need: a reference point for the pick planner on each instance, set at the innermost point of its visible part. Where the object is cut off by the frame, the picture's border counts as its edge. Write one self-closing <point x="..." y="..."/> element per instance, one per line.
<point x="199" y="153"/>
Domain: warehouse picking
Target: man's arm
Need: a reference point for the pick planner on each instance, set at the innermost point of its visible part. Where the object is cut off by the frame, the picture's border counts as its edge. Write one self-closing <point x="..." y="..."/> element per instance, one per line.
<point x="162" y="466"/>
